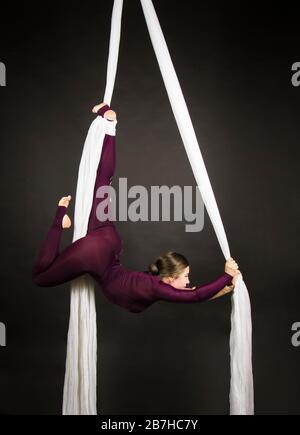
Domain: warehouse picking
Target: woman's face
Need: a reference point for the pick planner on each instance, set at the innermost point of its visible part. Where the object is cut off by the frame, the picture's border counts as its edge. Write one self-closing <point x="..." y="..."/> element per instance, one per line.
<point x="182" y="281"/>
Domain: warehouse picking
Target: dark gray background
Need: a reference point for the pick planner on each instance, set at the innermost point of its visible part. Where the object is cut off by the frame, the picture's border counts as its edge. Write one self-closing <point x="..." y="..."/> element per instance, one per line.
<point x="234" y="66"/>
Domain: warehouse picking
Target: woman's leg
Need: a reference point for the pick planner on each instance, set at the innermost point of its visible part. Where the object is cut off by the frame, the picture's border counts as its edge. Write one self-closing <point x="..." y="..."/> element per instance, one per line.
<point x="87" y="254"/>
<point x="105" y="173"/>
<point x="52" y="268"/>
<point x="92" y="254"/>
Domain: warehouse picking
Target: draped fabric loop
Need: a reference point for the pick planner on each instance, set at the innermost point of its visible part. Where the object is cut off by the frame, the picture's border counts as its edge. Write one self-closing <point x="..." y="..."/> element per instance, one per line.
<point x="81" y="363"/>
<point x="80" y="385"/>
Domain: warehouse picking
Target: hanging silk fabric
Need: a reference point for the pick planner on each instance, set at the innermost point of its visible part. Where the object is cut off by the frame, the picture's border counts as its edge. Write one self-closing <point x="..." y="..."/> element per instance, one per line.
<point x="241" y="386"/>
<point x="81" y="364"/>
<point x="80" y="386"/>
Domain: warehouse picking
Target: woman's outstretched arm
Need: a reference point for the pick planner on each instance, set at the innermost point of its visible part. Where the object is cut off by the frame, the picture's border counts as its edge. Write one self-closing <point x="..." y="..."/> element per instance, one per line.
<point x="227" y="289"/>
<point x="166" y="292"/>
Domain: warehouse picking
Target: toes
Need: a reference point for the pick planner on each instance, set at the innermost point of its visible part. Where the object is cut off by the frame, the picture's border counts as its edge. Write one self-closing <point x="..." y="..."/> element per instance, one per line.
<point x="65" y="200"/>
<point x="111" y="115"/>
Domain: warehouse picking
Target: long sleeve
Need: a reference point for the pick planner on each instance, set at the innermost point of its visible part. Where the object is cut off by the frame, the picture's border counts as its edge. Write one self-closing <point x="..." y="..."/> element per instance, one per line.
<point x="164" y="291"/>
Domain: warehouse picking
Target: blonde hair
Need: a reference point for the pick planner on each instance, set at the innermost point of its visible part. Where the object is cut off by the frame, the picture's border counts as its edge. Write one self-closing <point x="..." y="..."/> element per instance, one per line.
<point x="171" y="264"/>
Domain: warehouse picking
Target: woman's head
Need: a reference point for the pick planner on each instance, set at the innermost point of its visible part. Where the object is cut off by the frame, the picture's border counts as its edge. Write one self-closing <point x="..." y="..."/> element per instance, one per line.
<point x="173" y="268"/>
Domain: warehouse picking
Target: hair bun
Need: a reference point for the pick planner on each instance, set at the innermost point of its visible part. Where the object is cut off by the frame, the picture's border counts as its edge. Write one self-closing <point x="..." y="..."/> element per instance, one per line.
<point x="153" y="269"/>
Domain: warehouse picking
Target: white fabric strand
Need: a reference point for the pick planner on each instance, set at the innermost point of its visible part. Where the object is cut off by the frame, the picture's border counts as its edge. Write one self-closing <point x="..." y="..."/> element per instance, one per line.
<point x="241" y="394"/>
<point x="80" y="386"/>
<point x="114" y="47"/>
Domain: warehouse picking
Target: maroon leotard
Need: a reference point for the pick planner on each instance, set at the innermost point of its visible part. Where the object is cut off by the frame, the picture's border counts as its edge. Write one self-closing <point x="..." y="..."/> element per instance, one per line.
<point x="98" y="254"/>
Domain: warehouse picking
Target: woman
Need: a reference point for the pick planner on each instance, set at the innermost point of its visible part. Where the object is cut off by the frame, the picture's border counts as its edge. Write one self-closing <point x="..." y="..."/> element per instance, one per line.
<point x="98" y="253"/>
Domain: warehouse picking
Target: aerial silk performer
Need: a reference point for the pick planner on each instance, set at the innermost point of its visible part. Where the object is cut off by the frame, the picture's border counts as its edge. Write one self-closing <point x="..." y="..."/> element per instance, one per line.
<point x="98" y="253"/>
<point x="96" y="248"/>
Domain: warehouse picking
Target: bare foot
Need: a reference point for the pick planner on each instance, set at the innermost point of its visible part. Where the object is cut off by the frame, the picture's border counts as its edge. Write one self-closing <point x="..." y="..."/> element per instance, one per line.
<point x="65" y="201"/>
<point x="109" y="114"/>
<point x="98" y="107"/>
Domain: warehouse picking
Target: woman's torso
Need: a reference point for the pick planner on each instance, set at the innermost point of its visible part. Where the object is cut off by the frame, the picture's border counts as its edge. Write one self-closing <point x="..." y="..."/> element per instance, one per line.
<point x="127" y="288"/>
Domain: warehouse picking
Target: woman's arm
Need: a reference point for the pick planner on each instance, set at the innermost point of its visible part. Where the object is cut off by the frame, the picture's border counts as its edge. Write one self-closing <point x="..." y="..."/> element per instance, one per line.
<point x="166" y="292"/>
<point x="227" y="289"/>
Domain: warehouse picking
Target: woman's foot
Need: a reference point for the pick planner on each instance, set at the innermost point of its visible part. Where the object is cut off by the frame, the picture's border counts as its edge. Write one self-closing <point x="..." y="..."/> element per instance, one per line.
<point x="109" y="114"/>
<point x="65" y="201"/>
<point x="98" y="107"/>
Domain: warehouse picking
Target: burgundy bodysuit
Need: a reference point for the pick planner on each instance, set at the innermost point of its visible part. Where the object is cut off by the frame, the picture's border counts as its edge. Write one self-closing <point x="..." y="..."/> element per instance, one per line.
<point x="98" y="254"/>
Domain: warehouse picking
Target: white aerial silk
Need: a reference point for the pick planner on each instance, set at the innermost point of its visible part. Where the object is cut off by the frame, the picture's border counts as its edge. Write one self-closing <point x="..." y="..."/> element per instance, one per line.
<point x="241" y="391"/>
<point x="80" y="380"/>
<point x="80" y="386"/>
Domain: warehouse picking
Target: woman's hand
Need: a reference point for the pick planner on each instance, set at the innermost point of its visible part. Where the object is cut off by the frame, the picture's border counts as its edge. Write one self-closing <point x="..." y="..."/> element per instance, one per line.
<point x="231" y="267"/>
<point x="236" y="276"/>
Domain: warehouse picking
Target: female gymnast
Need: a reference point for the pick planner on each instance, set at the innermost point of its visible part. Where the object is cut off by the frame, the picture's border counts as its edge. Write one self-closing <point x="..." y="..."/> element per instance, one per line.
<point x="98" y="253"/>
